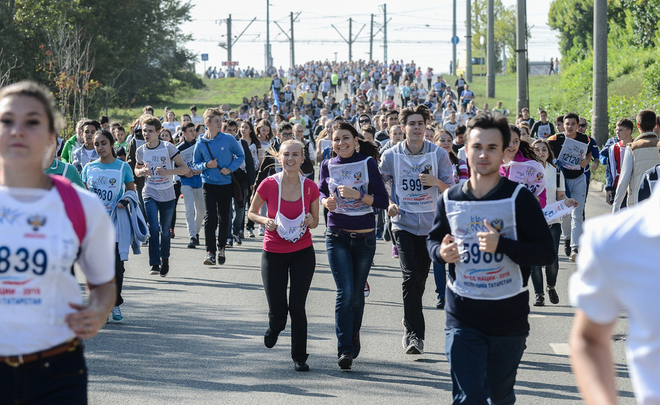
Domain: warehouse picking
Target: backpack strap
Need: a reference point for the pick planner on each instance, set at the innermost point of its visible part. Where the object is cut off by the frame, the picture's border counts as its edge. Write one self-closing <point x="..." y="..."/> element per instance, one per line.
<point x="72" y="205"/>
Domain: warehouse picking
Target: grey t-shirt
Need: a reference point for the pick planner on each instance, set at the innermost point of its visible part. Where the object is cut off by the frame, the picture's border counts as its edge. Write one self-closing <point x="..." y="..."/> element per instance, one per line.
<point x="158" y="188"/>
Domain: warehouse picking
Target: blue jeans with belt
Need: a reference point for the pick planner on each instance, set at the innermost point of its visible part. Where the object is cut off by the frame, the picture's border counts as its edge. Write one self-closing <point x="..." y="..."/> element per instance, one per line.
<point x="159" y="217"/>
<point x="350" y="260"/>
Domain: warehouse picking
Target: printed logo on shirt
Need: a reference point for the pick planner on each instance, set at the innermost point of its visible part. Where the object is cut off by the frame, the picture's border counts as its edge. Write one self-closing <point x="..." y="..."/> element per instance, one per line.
<point x="112" y="181"/>
<point x="9" y="216"/>
<point x="36" y="222"/>
<point x="416" y="169"/>
<point x="357" y="175"/>
<point x="163" y="159"/>
<point x="476" y="225"/>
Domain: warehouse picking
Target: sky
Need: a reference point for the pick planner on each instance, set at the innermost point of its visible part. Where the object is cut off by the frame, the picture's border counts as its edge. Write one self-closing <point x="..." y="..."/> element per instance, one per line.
<point x="421" y="32"/>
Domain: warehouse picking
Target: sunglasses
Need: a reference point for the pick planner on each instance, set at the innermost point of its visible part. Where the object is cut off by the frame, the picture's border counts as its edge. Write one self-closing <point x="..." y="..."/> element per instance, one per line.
<point x="582" y="125"/>
<point x="364" y="121"/>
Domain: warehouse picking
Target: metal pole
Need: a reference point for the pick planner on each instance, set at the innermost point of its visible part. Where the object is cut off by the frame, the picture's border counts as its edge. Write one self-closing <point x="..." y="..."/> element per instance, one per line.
<point x="468" y="41"/>
<point x="371" y="40"/>
<point x="229" y="38"/>
<point x="267" y="34"/>
<point x="453" y="44"/>
<point x="350" y="39"/>
<point x="293" y="54"/>
<point x="385" y="33"/>
<point x="490" y="50"/>
<point x="599" y="118"/>
<point x="521" y="56"/>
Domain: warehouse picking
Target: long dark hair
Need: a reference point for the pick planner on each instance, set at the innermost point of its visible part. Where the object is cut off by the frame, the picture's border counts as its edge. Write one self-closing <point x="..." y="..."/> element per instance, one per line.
<point x="366" y="148"/>
<point x="253" y="135"/>
<point x="111" y="139"/>
<point x="525" y="148"/>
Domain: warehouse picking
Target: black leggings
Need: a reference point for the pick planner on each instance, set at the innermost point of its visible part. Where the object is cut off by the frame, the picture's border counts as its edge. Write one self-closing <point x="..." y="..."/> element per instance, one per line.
<point x="119" y="276"/>
<point x="177" y="194"/>
<point x="276" y="269"/>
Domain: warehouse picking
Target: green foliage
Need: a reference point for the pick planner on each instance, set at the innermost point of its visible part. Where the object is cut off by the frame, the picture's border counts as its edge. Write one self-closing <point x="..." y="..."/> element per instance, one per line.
<point x="652" y="79"/>
<point x="505" y="30"/>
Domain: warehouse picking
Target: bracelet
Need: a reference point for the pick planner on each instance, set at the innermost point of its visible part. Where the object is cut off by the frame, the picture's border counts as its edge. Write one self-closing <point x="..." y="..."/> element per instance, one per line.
<point x="361" y="195"/>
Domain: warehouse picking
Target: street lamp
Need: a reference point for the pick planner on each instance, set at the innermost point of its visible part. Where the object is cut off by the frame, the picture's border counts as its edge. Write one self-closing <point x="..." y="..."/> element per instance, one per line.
<point x="481" y="62"/>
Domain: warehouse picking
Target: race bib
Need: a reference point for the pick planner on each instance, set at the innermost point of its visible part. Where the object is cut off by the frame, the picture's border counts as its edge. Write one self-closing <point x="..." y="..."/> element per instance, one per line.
<point x="556" y="211"/>
<point x="530" y="174"/>
<point x="571" y="153"/>
<point x="187" y="156"/>
<point x="354" y="175"/>
<point x="412" y="195"/>
<point x="106" y="184"/>
<point x="155" y="158"/>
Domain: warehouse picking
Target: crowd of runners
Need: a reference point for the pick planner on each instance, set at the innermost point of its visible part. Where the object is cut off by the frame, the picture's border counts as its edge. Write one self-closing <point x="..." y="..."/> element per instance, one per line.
<point x="483" y="197"/>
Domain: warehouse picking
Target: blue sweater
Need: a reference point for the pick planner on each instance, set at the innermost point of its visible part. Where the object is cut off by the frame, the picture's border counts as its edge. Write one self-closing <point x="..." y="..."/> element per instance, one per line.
<point x="223" y="147"/>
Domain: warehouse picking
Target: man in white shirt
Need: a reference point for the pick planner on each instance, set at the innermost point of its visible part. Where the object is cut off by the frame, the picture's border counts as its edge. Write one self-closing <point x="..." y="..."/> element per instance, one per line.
<point x="196" y="119"/>
<point x="601" y="291"/>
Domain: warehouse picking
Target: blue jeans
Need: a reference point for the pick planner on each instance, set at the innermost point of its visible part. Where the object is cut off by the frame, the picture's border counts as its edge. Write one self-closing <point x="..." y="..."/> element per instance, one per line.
<point x="551" y="270"/>
<point x="483" y="368"/>
<point x="440" y="276"/>
<point x="159" y="230"/>
<point x="578" y="191"/>
<point x="57" y="380"/>
<point x="350" y="261"/>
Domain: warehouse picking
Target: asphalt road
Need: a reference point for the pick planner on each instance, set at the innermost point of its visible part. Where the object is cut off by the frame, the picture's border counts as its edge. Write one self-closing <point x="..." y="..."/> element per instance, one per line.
<point x="196" y="337"/>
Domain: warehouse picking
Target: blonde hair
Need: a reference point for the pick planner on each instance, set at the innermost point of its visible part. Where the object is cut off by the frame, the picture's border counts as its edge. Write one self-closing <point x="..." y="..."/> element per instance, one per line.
<point x="212" y="112"/>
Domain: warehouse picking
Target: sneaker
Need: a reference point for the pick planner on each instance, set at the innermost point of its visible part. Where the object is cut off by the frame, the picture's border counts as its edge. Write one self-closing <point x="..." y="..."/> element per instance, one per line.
<point x="250" y="233"/>
<point x="552" y="295"/>
<point x="191" y="244"/>
<point x="539" y="301"/>
<point x="441" y="303"/>
<point x="345" y="362"/>
<point x="164" y="267"/>
<point x="237" y="240"/>
<point x="210" y="259"/>
<point x="567" y="247"/>
<point x="221" y="256"/>
<point x="270" y="338"/>
<point x="300" y="366"/>
<point x="116" y="315"/>
<point x="262" y="232"/>
<point x="367" y="289"/>
<point x="155" y="270"/>
<point x="242" y="235"/>
<point x="197" y="240"/>
<point x="230" y="243"/>
<point x="574" y="254"/>
<point x="415" y="346"/>
<point x="395" y="252"/>
<point x="356" y="345"/>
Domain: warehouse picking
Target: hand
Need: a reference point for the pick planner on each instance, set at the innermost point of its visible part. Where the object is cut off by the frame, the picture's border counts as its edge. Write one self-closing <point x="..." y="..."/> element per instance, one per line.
<point x="608" y="199"/>
<point x="225" y="171"/>
<point x="584" y="162"/>
<point x="144" y="172"/>
<point x="392" y="210"/>
<point x="160" y="171"/>
<point x="309" y="219"/>
<point x="271" y="225"/>
<point x="348" y="192"/>
<point x="189" y="174"/>
<point x="86" y="322"/>
<point x="594" y="166"/>
<point x="212" y="164"/>
<point x="331" y="203"/>
<point x="428" y="180"/>
<point x="488" y="240"/>
<point x="122" y="204"/>
<point x="573" y="203"/>
<point x="449" y="250"/>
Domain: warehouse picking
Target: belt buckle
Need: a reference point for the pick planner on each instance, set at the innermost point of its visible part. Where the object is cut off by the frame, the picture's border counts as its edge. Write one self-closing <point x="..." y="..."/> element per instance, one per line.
<point x="353" y="235"/>
<point x="14" y="364"/>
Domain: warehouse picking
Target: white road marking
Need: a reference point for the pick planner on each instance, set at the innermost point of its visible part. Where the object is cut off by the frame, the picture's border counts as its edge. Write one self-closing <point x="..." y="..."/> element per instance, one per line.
<point x="561" y="348"/>
<point x="536" y="316"/>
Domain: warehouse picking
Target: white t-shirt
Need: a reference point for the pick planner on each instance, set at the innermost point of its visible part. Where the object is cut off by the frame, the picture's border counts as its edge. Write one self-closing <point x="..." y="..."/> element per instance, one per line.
<point x="39" y="237"/>
<point x="618" y="272"/>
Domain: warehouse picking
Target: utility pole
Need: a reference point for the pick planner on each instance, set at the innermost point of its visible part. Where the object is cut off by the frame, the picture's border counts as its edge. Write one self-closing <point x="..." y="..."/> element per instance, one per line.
<point x="521" y="56"/>
<point x="267" y="34"/>
<point x="385" y="33"/>
<point x="229" y="38"/>
<point x="599" y="118"/>
<point x="371" y="40"/>
<point x="293" y="51"/>
<point x="350" y="39"/>
<point x="490" y="71"/>
<point x="468" y="42"/>
<point x="453" y="34"/>
<point x="290" y="38"/>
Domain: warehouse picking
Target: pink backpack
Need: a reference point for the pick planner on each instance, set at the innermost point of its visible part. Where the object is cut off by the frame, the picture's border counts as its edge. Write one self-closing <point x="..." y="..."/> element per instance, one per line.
<point x="72" y="205"/>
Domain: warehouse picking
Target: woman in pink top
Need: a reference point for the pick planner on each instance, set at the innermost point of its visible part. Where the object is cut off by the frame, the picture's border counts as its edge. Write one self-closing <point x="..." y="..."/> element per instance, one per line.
<point x="520" y="151"/>
<point x="293" y="208"/>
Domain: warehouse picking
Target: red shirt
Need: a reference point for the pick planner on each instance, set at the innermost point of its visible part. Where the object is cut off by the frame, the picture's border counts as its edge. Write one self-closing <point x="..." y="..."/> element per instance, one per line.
<point x="269" y="192"/>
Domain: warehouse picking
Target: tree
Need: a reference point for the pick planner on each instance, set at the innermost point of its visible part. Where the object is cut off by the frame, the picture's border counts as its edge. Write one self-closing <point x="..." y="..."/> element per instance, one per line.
<point x="505" y="29"/>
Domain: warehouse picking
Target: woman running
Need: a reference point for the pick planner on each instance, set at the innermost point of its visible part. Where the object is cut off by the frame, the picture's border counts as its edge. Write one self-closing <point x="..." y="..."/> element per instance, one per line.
<point x="521" y="165"/>
<point x="254" y="144"/>
<point x="47" y="226"/>
<point x="86" y="153"/>
<point x="556" y="191"/>
<point x="350" y="186"/>
<point x="293" y="209"/>
<point x="109" y="178"/>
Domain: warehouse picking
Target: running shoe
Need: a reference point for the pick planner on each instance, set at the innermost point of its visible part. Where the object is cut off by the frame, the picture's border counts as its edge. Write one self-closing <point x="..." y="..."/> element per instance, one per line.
<point x="197" y="240"/>
<point x="415" y="345"/>
<point x="300" y="366"/>
<point x="395" y="252"/>
<point x="155" y="270"/>
<point x="116" y="315"/>
<point x="241" y="234"/>
<point x="552" y="295"/>
<point x="237" y="240"/>
<point x="270" y="338"/>
<point x="262" y="232"/>
<point x="221" y="256"/>
<point x="164" y="267"/>
<point x="345" y="362"/>
<point x="191" y="244"/>
<point x="567" y="247"/>
<point x="539" y="301"/>
<point x="230" y="243"/>
<point x="574" y="254"/>
<point x="210" y="259"/>
<point x="441" y="303"/>
<point x="367" y="289"/>
<point x="250" y="233"/>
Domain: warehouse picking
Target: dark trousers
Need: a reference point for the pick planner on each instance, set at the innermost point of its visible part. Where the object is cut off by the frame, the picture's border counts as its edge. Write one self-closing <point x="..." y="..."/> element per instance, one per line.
<point x="276" y="270"/>
<point x="177" y="194"/>
<point x="57" y="380"/>
<point x="415" y="264"/>
<point x="217" y="199"/>
<point x="483" y="367"/>
<point x="551" y="270"/>
<point x="248" y="201"/>
<point x="119" y="276"/>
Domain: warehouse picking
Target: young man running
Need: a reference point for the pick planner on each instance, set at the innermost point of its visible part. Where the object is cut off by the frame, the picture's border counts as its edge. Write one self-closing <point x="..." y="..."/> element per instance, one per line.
<point x="487" y="229"/>
<point x="417" y="171"/>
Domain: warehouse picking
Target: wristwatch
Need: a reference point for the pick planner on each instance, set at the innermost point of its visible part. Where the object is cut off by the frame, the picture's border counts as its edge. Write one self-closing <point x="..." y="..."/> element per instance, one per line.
<point x="361" y="195"/>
